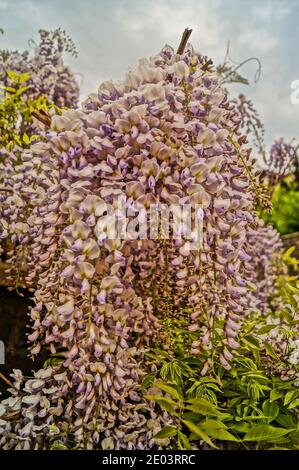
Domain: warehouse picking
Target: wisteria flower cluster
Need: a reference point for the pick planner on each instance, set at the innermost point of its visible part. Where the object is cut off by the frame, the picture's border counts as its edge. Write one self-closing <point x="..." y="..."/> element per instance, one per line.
<point x="49" y="76"/>
<point x="167" y="134"/>
<point x="264" y="246"/>
<point x="251" y="122"/>
<point x="282" y="160"/>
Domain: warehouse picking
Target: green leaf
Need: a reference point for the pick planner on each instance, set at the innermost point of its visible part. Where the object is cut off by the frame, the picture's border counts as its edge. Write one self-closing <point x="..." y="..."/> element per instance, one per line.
<point x="270" y="409"/>
<point x="169" y="389"/>
<point x="288" y="397"/>
<point x="255" y="375"/>
<point x="23" y="77"/>
<point x="293" y="289"/>
<point x="195" y="429"/>
<point x="183" y="442"/>
<point x="26" y="139"/>
<point x="275" y="394"/>
<point x="286" y="420"/>
<point x="18" y="77"/>
<point x="287" y="316"/>
<point x="256" y="355"/>
<point x="222" y="435"/>
<point x="252" y="341"/>
<point x="265" y="432"/>
<point x="218" y="430"/>
<point x="165" y="403"/>
<point x="202" y="406"/>
<point x="265" y="329"/>
<point x="241" y="427"/>
<point x="56" y="445"/>
<point x="191" y="416"/>
<point x="271" y="352"/>
<point x="289" y="251"/>
<point x="12" y="75"/>
<point x="166" y="432"/>
<point x="165" y="369"/>
<point x="294" y="404"/>
<point x="21" y="90"/>
<point x="257" y="417"/>
<point x="231" y="393"/>
<point x="211" y="424"/>
<point x="8" y="88"/>
<point x="147" y="381"/>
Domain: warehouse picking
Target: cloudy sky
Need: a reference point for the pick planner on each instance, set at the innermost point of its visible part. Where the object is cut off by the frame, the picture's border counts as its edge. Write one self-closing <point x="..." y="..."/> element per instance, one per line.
<point x="112" y="35"/>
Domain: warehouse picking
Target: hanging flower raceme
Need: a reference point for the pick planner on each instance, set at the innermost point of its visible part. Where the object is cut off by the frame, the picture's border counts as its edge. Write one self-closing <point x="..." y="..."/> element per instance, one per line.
<point x="281" y="161"/>
<point x="251" y="122"/>
<point x="265" y="248"/>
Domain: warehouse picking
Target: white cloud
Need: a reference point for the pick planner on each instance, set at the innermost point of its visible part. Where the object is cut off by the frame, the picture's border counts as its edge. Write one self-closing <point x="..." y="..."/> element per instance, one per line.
<point x="258" y="40"/>
<point x="113" y="35"/>
<point x="3" y="5"/>
<point x="270" y="10"/>
<point x="167" y="19"/>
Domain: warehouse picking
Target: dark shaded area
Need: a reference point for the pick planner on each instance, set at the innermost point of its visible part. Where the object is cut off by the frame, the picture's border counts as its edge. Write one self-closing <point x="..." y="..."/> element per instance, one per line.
<point x="13" y="328"/>
<point x="292" y="239"/>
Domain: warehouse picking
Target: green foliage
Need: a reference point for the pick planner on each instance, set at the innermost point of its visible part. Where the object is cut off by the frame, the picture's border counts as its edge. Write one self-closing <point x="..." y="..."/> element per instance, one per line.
<point x="285" y="214"/>
<point x="247" y="407"/>
<point x="58" y="446"/>
<point x="16" y="113"/>
<point x="247" y="401"/>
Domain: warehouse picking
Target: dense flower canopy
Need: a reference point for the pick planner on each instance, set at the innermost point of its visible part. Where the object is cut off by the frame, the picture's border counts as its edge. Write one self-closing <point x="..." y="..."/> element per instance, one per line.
<point x="167" y="134"/>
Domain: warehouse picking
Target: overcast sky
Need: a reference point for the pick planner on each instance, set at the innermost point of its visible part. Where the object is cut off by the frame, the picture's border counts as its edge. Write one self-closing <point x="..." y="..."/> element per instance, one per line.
<point x="112" y="35"/>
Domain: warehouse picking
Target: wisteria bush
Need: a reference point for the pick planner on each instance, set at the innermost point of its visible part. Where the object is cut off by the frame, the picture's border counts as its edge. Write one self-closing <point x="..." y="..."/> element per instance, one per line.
<point x="152" y="341"/>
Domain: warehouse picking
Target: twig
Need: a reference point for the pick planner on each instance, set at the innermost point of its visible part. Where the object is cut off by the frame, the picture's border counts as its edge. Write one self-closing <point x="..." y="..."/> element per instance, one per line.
<point x="289" y="236"/>
<point x="42" y="117"/>
<point x="11" y="415"/>
<point x="185" y="36"/>
<point x="7" y="381"/>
